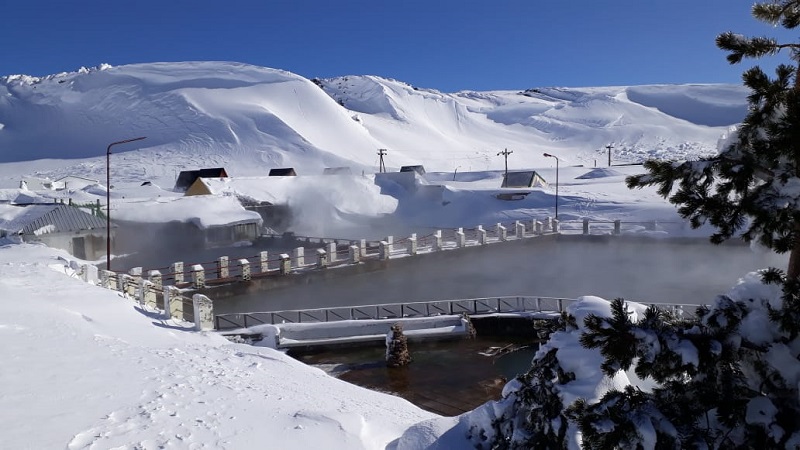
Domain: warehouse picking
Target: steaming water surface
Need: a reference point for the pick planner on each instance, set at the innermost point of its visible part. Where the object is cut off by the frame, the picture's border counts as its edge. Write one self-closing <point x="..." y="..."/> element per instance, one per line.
<point x="646" y="270"/>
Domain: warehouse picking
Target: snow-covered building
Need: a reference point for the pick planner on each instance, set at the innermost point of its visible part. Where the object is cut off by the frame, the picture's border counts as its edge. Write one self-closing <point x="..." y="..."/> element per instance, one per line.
<point x="35" y="184"/>
<point x="190" y="222"/>
<point x="187" y="177"/>
<point x="523" y="179"/>
<point x="283" y="172"/>
<point x="66" y="227"/>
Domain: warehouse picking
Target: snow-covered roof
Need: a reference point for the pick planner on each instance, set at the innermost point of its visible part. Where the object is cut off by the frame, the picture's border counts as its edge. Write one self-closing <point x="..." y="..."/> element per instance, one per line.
<point x="203" y="211"/>
<point x="348" y="193"/>
<point x="42" y="219"/>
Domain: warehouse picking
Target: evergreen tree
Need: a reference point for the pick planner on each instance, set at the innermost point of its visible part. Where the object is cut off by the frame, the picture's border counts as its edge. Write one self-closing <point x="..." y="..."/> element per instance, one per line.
<point x="754" y="183"/>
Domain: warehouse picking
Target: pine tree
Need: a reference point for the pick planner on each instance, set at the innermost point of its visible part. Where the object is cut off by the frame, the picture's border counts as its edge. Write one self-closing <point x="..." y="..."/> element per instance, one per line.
<point x="754" y="183"/>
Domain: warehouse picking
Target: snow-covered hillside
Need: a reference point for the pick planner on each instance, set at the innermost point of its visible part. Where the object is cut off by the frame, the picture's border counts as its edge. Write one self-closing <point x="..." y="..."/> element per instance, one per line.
<point x="250" y="119"/>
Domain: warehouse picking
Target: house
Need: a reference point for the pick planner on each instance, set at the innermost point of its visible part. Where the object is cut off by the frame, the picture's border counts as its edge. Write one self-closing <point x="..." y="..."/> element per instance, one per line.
<point x="184" y="223"/>
<point x="81" y="234"/>
<point x="268" y="196"/>
<point x="523" y="179"/>
<point x="419" y="169"/>
<point x="284" y="172"/>
<point x="187" y="177"/>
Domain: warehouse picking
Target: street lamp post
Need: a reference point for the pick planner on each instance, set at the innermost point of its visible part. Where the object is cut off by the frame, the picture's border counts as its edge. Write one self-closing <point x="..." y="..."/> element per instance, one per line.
<point x="108" y="197"/>
<point x="548" y="155"/>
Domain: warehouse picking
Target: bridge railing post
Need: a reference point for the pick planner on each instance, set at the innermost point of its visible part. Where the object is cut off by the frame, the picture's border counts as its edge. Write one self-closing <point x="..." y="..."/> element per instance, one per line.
<point x="585" y="225"/>
<point x="244" y="265"/>
<point x="264" y="262"/>
<point x="537" y="227"/>
<point x="156" y="278"/>
<point x="437" y="241"/>
<point x="177" y="270"/>
<point x="149" y="294"/>
<point x="538" y="304"/>
<point x="332" y="252"/>
<point x="222" y="267"/>
<point x="355" y="254"/>
<point x="502" y="233"/>
<point x="389" y="245"/>
<point x="322" y="258"/>
<point x="285" y="263"/>
<point x="481" y="235"/>
<point x="299" y="257"/>
<point x="461" y="239"/>
<point x="385" y="251"/>
<point x="519" y="229"/>
<point x="556" y="226"/>
<point x="198" y="276"/>
<point x="548" y="224"/>
<point x="362" y="245"/>
<point x="412" y="244"/>
<point x="203" y="312"/>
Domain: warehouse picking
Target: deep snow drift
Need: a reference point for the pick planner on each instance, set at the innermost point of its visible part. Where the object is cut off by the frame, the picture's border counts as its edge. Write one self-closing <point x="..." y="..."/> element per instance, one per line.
<point x="250" y="119"/>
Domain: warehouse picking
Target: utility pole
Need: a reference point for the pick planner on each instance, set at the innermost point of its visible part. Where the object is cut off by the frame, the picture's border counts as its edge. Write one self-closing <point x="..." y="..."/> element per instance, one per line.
<point x="505" y="153"/>
<point x="382" y="166"/>
<point x="609" y="147"/>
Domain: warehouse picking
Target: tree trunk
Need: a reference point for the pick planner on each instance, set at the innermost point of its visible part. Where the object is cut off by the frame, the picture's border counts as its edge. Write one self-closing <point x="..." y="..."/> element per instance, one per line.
<point x="794" y="257"/>
<point x="793" y="270"/>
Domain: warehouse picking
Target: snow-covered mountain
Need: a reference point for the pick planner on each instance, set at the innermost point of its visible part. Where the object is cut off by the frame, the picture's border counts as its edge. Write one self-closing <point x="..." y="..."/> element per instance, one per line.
<point x="250" y="119"/>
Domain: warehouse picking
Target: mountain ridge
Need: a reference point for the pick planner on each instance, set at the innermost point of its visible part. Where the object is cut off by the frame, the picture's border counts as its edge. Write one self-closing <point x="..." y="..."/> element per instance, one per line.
<point x="250" y="118"/>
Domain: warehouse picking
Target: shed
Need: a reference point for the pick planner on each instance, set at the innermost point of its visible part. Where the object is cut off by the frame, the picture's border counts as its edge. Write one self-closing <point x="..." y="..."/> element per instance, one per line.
<point x="419" y="169"/>
<point x="283" y="172"/>
<point x="523" y="179"/>
<point x="187" y="177"/>
<point x="56" y="225"/>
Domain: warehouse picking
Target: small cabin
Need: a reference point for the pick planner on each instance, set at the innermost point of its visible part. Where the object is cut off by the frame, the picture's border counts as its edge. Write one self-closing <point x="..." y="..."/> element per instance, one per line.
<point x="187" y="177"/>
<point x="283" y="172"/>
<point x="419" y="169"/>
<point x="523" y="179"/>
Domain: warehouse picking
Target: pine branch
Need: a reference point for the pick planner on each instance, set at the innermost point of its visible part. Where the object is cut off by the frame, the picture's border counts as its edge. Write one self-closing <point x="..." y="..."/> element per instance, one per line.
<point x="740" y="47"/>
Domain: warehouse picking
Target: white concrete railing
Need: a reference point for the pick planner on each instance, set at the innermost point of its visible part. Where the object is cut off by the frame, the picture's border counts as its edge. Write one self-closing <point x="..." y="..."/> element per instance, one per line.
<point x="538" y="307"/>
<point x="153" y="295"/>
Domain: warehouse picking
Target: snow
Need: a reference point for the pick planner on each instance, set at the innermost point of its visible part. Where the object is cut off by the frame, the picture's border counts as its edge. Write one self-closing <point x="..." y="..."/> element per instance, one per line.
<point x="85" y="368"/>
<point x="204" y="212"/>
<point x="102" y="373"/>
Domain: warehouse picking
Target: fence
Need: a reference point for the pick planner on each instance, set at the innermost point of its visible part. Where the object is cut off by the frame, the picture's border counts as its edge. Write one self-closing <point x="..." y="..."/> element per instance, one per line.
<point x="543" y="307"/>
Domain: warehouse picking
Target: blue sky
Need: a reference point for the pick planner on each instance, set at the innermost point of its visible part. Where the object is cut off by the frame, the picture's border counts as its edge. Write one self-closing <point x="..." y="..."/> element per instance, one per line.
<point x="441" y="44"/>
